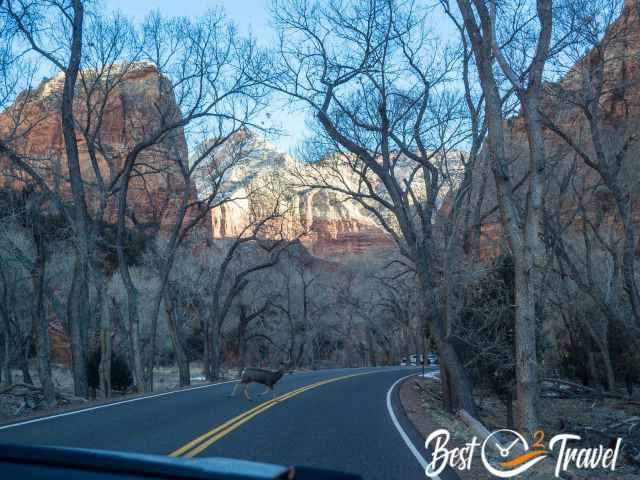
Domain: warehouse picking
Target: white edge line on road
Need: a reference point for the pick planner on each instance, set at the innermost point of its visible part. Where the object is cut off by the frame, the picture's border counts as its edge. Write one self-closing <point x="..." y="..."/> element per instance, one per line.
<point x="405" y="437"/>
<point x="107" y="405"/>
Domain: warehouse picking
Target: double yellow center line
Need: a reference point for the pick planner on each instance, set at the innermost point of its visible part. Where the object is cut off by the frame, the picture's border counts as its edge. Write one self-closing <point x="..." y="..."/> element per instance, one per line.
<point x="205" y="440"/>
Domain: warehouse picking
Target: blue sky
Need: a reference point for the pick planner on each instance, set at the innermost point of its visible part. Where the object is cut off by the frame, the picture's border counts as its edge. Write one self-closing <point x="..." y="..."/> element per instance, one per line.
<point x="250" y="16"/>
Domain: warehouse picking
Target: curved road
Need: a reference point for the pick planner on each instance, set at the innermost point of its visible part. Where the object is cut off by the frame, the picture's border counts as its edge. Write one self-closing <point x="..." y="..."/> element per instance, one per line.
<point x="336" y="419"/>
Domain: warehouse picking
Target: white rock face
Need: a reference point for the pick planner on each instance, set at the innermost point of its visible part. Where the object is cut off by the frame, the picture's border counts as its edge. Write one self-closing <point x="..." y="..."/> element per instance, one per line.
<point x="261" y="180"/>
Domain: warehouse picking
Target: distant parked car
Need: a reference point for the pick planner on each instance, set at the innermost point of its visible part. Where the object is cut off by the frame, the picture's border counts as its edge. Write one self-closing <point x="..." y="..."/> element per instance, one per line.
<point x="432" y="359"/>
<point x="415" y="359"/>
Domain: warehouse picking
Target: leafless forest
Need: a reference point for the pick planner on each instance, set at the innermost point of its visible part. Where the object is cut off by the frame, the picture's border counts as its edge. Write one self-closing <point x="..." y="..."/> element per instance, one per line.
<point x="492" y="146"/>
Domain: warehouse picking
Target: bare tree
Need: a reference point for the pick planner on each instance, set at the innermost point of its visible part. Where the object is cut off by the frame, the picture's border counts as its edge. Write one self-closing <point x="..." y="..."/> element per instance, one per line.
<point x="601" y="131"/>
<point x="385" y="114"/>
<point x="207" y="68"/>
<point x="30" y="234"/>
<point x="33" y="27"/>
<point x="247" y="315"/>
<point x="294" y="304"/>
<point x="203" y="96"/>
<point x="582" y="241"/>
<point x="228" y="279"/>
<point x="492" y="40"/>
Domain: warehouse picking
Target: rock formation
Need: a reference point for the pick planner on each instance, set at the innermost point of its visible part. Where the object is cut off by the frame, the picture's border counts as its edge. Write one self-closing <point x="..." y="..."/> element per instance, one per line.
<point x="328" y="223"/>
<point x="118" y="109"/>
<point x="617" y="55"/>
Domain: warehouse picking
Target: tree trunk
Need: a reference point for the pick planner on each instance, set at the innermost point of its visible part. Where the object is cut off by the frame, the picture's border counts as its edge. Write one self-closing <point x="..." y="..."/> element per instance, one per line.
<point x="79" y="299"/>
<point x="300" y="354"/>
<point x="206" y="360"/>
<point x="623" y="203"/>
<point x="602" y="345"/>
<point x="528" y="255"/>
<point x="457" y="379"/>
<point x="216" y="350"/>
<point x="372" y="349"/>
<point x="6" y="359"/>
<point x="594" y="372"/>
<point x="7" y="376"/>
<point x="522" y="230"/>
<point x="608" y="369"/>
<point x="242" y="338"/>
<point x="456" y="376"/>
<point x="509" y="405"/>
<point x="176" y="339"/>
<point x="134" y="328"/>
<point x="24" y="366"/>
<point x="106" y="352"/>
<point x="242" y="353"/>
<point x="41" y="326"/>
<point x="133" y="320"/>
<point x="527" y="387"/>
<point x="447" y="401"/>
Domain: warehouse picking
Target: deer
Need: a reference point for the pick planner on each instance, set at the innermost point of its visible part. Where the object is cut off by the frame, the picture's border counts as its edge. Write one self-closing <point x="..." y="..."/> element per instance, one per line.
<point x="268" y="378"/>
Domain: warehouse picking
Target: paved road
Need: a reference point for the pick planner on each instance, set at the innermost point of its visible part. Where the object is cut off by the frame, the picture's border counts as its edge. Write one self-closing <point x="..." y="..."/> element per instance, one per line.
<point x="339" y="421"/>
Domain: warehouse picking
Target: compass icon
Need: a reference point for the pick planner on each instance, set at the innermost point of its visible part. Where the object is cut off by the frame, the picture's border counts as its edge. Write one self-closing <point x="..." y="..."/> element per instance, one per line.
<point x="511" y="461"/>
<point x="504" y="451"/>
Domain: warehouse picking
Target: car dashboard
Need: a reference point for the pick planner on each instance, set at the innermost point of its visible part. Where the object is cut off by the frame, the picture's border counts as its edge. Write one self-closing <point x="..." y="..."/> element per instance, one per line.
<point x="47" y="463"/>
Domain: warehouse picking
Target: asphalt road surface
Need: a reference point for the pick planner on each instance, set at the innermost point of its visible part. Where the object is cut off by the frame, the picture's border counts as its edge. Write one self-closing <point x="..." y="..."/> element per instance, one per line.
<point x="336" y="419"/>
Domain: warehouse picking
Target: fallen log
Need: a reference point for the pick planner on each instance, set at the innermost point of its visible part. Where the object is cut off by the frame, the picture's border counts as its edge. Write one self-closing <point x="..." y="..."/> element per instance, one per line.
<point x="479" y="430"/>
<point x="624" y="422"/>
<point x="473" y="424"/>
<point x="34" y="391"/>
<point x="628" y="402"/>
<point x="7" y="389"/>
<point x="577" y="386"/>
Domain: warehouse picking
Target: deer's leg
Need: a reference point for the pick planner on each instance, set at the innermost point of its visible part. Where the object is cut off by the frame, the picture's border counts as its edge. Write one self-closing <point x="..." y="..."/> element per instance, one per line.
<point x="273" y="392"/>
<point x="233" y="392"/>
<point x="266" y="390"/>
<point x="246" y="392"/>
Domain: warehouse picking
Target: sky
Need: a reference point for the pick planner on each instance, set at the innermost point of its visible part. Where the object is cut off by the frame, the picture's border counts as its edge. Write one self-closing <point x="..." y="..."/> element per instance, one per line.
<point x="250" y="16"/>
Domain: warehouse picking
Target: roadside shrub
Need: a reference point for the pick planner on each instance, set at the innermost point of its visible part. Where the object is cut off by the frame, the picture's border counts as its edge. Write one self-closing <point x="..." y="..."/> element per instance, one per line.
<point x="135" y="244"/>
<point x="485" y="330"/>
<point x="195" y="344"/>
<point x="625" y="355"/>
<point x="121" y="377"/>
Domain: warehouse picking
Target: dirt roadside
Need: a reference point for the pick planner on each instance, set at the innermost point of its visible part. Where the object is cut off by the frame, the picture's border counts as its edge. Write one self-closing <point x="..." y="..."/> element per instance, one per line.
<point x="23" y="403"/>
<point x="420" y="398"/>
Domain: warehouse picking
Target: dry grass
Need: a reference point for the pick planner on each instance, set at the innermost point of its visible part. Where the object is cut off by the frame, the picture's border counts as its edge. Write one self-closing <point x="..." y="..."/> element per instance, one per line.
<point x="20" y="404"/>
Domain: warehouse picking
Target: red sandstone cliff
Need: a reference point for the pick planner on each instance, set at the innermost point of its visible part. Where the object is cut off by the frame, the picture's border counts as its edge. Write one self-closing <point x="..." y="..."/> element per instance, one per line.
<point x="618" y="56"/>
<point x="119" y="110"/>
